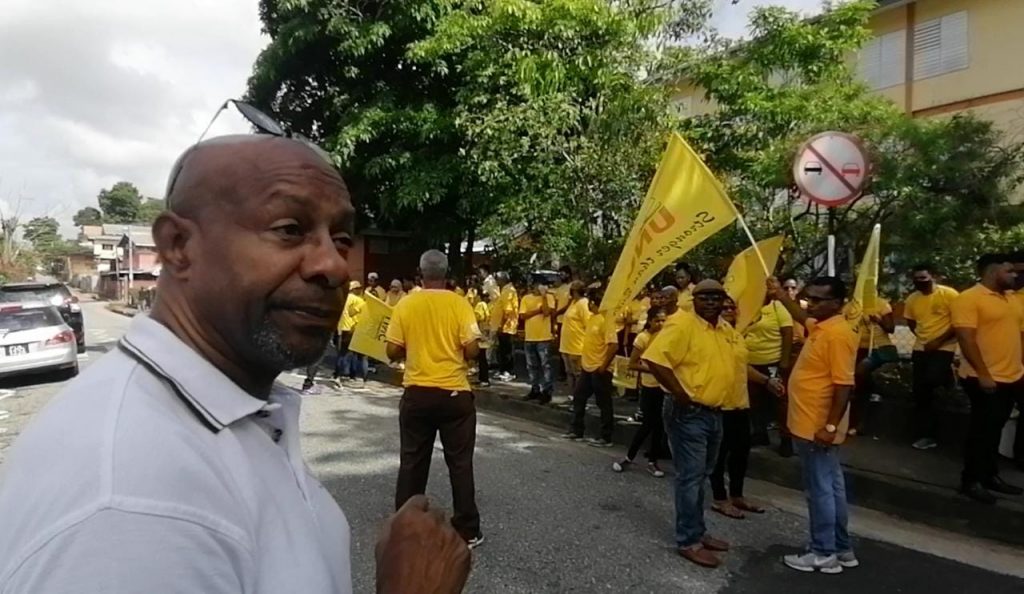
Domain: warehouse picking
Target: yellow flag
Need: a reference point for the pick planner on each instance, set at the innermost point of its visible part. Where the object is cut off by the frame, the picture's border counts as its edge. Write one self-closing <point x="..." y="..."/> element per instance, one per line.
<point x="622" y="375"/>
<point x="745" y="281"/>
<point x="865" y="291"/>
<point x="368" y="336"/>
<point x="684" y="206"/>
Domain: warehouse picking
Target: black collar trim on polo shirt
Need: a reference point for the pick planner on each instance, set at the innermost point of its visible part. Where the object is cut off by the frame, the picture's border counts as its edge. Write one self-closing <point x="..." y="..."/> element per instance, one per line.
<point x="205" y="417"/>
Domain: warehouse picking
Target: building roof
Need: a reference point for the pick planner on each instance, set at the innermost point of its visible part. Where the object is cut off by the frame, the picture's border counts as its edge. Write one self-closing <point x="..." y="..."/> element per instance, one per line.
<point x="140" y="236"/>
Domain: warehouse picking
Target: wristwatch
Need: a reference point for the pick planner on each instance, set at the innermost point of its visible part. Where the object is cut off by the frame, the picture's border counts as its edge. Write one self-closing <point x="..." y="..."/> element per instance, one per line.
<point x="830" y="428"/>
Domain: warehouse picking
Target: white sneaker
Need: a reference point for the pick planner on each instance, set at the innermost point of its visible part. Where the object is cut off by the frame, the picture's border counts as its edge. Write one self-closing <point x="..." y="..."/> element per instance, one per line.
<point x="621" y="465"/>
<point x="847" y="559"/>
<point x="475" y="542"/>
<point x="925" y="443"/>
<point x="809" y="562"/>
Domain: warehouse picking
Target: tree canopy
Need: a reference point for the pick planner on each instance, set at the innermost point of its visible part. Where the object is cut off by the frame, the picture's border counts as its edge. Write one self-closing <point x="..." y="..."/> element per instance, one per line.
<point x="89" y="215"/>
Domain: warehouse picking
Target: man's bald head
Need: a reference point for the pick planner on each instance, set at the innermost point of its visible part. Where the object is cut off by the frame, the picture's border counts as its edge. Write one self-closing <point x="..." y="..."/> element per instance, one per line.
<point x="218" y="170"/>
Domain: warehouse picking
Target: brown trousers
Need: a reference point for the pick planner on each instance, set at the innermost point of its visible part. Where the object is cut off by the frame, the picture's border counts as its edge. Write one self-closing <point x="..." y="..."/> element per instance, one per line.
<point x="422" y="414"/>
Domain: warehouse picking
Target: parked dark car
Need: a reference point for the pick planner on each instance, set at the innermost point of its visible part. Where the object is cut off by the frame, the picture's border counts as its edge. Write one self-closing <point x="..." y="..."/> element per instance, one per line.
<point x="56" y="294"/>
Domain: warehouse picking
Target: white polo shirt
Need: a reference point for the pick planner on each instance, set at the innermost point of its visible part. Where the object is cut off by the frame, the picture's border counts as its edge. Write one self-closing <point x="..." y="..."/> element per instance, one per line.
<point x="153" y="472"/>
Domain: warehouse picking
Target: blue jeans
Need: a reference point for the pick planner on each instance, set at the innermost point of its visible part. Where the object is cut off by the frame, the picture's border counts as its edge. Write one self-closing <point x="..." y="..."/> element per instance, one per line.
<point x="825" y="488"/>
<point x="353" y="365"/>
<point x="694" y="436"/>
<point x="538" y="364"/>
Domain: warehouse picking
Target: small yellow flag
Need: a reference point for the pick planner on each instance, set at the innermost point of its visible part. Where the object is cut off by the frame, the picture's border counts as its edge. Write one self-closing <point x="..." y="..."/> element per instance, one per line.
<point x="745" y="281"/>
<point x="368" y="336"/>
<point x="684" y="206"/>
<point x="865" y="292"/>
<point x="622" y="375"/>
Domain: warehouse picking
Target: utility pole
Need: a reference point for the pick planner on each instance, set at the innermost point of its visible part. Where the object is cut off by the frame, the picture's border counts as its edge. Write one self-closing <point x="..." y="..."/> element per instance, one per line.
<point x="131" y="260"/>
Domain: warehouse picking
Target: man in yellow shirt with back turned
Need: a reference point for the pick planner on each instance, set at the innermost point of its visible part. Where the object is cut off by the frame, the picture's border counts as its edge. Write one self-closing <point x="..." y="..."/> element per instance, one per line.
<point x="989" y="327"/>
<point x="436" y="333"/>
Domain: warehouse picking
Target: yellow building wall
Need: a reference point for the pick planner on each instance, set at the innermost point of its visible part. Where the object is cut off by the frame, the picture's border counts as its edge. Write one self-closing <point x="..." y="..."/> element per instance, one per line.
<point x="995" y="31"/>
<point x="695" y="98"/>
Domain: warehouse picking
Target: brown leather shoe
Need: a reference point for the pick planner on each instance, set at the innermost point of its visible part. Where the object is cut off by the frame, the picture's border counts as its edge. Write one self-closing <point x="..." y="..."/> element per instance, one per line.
<point x="714" y="544"/>
<point x="701" y="556"/>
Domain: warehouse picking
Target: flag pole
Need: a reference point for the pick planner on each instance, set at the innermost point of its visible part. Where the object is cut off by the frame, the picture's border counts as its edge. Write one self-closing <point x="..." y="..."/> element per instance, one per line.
<point x="750" y="236"/>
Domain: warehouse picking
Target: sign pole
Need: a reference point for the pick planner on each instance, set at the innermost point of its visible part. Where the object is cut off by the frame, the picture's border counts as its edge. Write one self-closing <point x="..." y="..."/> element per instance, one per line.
<point x="831" y="242"/>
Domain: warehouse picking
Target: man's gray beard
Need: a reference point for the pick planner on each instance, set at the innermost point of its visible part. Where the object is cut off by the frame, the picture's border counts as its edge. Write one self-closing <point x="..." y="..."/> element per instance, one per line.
<point x="276" y="354"/>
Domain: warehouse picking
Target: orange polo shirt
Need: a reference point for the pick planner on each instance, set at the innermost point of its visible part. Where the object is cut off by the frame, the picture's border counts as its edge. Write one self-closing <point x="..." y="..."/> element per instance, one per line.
<point x="999" y="321"/>
<point x="828" y="359"/>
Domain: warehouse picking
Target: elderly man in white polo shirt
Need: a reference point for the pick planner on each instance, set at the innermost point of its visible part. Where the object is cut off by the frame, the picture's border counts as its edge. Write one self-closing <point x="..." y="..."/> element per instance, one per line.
<point x="173" y="464"/>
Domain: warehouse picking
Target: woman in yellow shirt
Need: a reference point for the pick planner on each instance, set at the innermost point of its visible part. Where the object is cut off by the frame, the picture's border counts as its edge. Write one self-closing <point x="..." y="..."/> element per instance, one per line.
<point x="482" y="311"/>
<point x="875" y="351"/>
<point x="651" y="399"/>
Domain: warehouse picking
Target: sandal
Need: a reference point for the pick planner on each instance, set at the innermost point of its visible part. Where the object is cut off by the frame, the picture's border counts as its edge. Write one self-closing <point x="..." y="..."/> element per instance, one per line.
<point x="728" y="510"/>
<point x="748" y="507"/>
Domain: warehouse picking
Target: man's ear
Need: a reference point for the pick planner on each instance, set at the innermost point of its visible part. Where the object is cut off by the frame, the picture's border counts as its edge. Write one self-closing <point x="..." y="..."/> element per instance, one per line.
<point x="173" y="236"/>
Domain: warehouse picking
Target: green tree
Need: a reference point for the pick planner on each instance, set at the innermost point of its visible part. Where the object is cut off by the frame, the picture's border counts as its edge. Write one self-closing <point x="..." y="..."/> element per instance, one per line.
<point x="149" y="210"/>
<point x="121" y="203"/>
<point x="42" y="233"/>
<point x="89" y="215"/>
<point x="933" y="178"/>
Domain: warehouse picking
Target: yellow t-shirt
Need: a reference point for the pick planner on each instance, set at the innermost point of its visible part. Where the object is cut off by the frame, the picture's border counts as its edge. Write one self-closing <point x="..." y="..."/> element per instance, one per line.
<point x="871" y="334"/>
<point x="378" y="292"/>
<point x="702" y="357"/>
<point x="640" y="344"/>
<point x="482" y="312"/>
<point x="392" y="299"/>
<point x="999" y="321"/>
<point x="739" y="398"/>
<point x="538" y="327"/>
<point x="686" y="300"/>
<point x="574" y="326"/>
<point x="933" y="315"/>
<point x="638" y="309"/>
<point x="828" y="359"/>
<point x="472" y="296"/>
<point x="354" y="305"/>
<point x="433" y="326"/>
<point x="596" y="339"/>
<point x="562" y="297"/>
<point x="764" y="335"/>
<point x="508" y="308"/>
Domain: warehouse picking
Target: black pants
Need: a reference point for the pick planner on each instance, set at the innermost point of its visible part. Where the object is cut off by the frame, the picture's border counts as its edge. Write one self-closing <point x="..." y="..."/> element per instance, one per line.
<point x="483" y="367"/>
<point x="733" y="455"/>
<point x="422" y="414"/>
<point x="506" y="360"/>
<point x="989" y="412"/>
<point x="651" y="402"/>
<point x="598" y="384"/>
<point x="766" y="407"/>
<point x="1018" y="441"/>
<point x="933" y="370"/>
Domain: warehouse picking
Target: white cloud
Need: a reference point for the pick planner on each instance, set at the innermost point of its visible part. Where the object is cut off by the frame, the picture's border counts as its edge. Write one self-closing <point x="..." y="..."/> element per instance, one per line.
<point x="99" y="91"/>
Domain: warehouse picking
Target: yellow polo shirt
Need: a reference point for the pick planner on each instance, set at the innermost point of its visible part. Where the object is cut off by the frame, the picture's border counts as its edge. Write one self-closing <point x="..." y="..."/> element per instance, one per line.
<point x="562" y="298"/>
<point x="354" y="305"/>
<point x="828" y="359"/>
<point x="574" y="327"/>
<point x="642" y="341"/>
<point x="764" y="335"/>
<point x="933" y="315"/>
<point x="538" y="327"/>
<point x="433" y="326"/>
<point x="596" y="339"/>
<point x="702" y="357"/>
<point x="999" y="321"/>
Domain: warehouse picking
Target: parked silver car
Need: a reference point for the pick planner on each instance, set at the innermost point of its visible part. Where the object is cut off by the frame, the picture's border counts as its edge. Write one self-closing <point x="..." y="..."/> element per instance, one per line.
<point x="34" y="338"/>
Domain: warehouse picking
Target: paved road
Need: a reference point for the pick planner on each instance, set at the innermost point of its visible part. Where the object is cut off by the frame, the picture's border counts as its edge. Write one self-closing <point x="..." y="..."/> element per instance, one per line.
<point x="558" y="520"/>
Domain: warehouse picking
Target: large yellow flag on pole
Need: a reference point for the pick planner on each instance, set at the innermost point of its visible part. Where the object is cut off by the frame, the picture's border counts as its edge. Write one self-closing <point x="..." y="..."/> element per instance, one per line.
<point x="745" y="281"/>
<point x="684" y="206"/>
<point x="865" y="292"/>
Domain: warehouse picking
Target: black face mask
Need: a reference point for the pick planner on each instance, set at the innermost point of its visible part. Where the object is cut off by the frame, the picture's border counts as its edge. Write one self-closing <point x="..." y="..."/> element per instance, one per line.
<point x="923" y="285"/>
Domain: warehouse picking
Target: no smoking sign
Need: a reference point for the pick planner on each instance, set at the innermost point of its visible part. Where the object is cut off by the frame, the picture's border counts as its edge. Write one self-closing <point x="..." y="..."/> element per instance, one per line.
<point x="831" y="168"/>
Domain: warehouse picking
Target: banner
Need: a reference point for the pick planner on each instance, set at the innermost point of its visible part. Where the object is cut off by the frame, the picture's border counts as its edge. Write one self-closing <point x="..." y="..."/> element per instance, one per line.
<point x="746" y="282"/>
<point x="368" y="336"/>
<point x="622" y="375"/>
<point x="684" y="206"/>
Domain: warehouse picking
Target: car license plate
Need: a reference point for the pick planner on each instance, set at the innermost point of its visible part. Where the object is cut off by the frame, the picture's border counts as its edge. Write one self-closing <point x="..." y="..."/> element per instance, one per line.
<point x="15" y="349"/>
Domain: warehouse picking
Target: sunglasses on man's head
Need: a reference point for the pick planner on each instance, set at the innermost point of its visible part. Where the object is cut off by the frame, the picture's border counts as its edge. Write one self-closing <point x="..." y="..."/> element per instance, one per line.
<point x="263" y="124"/>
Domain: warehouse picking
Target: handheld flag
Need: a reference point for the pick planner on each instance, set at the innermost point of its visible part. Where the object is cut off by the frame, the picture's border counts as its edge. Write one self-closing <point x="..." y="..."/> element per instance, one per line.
<point x="745" y="281"/>
<point x="684" y="206"/>
<point x="368" y="336"/>
<point x="865" y="291"/>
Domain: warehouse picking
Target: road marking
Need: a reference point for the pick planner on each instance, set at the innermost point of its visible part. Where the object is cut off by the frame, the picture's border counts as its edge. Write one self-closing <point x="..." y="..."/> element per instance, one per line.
<point x="6" y="394"/>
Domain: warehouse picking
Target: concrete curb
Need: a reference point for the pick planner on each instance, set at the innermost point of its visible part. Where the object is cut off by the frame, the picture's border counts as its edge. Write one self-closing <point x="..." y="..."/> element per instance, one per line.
<point x="917" y="502"/>
<point x="124" y="310"/>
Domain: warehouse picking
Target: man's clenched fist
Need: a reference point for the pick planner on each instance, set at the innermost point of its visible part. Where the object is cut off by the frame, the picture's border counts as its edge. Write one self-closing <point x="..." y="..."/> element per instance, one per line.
<point x="419" y="552"/>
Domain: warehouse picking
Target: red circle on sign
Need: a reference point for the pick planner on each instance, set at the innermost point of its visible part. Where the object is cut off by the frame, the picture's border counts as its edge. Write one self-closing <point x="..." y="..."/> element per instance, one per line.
<point x="831" y="168"/>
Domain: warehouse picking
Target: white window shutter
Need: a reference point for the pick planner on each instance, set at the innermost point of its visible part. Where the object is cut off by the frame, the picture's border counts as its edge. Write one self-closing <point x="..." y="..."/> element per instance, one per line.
<point x="892" y="59"/>
<point x="940" y="46"/>
<point x="868" y="62"/>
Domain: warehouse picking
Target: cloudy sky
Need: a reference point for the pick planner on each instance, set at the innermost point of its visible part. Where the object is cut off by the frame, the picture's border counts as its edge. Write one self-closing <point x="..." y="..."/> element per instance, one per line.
<point x="97" y="91"/>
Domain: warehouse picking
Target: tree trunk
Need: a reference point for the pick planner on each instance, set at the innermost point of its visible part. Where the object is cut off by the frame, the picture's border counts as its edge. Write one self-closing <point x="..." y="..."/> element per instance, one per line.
<point x="467" y="259"/>
<point x="454" y="261"/>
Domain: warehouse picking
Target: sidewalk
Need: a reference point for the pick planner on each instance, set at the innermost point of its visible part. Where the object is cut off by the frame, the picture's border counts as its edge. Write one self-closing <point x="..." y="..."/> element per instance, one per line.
<point x="885" y="475"/>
